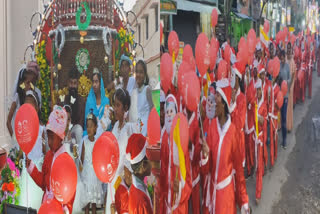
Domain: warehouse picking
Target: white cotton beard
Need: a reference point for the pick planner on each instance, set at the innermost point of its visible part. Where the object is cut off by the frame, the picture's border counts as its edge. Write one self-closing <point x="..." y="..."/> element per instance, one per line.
<point x="210" y="108"/>
<point x="168" y="123"/>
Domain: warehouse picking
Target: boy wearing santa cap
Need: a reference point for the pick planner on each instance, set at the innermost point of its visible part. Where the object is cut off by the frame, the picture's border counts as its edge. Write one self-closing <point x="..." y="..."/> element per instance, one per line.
<point x="261" y="114"/>
<point x="139" y="198"/>
<point x="56" y="127"/>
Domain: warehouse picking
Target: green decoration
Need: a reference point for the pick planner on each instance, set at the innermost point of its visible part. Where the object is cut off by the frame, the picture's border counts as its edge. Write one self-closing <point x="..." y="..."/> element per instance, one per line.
<point x="82" y="60"/>
<point x="83" y="26"/>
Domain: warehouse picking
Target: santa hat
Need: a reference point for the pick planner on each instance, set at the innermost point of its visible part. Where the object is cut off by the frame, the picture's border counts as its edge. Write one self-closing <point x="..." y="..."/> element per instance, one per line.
<point x="136" y="148"/>
<point x="127" y="164"/>
<point x="225" y="90"/>
<point x="261" y="68"/>
<point x="258" y="84"/>
<point x="57" y="122"/>
<point x="171" y="99"/>
<point x="238" y="69"/>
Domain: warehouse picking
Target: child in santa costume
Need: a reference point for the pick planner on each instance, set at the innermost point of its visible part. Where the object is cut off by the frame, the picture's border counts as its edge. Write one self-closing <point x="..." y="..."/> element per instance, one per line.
<point x="249" y="126"/>
<point x="206" y="176"/>
<point x="175" y="191"/>
<point x="261" y="114"/>
<point x="139" y="199"/>
<point x="121" y="205"/>
<point x="225" y="166"/>
<point x="56" y="132"/>
<point x="273" y="115"/>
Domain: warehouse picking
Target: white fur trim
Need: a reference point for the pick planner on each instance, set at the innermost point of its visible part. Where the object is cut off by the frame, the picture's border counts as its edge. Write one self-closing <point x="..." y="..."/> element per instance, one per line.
<point x="223" y="83"/>
<point x="237" y="72"/>
<point x="140" y="156"/>
<point x="224" y="97"/>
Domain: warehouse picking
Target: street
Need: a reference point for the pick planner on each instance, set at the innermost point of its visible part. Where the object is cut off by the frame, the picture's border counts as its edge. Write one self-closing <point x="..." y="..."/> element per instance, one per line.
<point x="293" y="184"/>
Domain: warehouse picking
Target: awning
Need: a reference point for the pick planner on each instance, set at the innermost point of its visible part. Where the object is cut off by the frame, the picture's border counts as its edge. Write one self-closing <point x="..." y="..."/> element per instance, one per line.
<point x="242" y="16"/>
<point x="195" y="7"/>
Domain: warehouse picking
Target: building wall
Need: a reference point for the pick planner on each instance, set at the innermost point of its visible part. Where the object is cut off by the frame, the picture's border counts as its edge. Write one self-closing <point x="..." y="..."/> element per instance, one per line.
<point x="15" y="36"/>
<point x="148" y="9"/>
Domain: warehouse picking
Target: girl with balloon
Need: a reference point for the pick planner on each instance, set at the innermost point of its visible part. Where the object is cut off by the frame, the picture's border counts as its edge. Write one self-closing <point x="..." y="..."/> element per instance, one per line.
<point x="92" y="185"/>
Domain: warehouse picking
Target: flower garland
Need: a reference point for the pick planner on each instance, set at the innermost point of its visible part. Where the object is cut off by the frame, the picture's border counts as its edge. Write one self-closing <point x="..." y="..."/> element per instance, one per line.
<point x="124" y="39"/>
<point x="10" y="190"/>
<point x="44" y="80"/>
<point x="83" y="26"/>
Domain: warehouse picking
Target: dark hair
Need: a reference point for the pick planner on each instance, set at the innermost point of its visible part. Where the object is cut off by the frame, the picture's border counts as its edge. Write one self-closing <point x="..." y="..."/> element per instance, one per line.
<point x="289" y="43"/>
<point x="22" y="77"/>
<point x="144" y="66"/>
<point x="225" y="107"/>
<point x="241" y="83"/>
<point x="123" y="96"/>
<point x="94" y="118"/>
<point x="282" y="53"/>
<point x="99" y="76"/>
<point x="68" y="109"/>
<point x="74" y="74"/>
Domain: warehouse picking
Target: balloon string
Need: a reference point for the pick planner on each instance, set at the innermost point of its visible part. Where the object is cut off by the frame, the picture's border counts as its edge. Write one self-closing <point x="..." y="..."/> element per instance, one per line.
<point x="27" y="189"/>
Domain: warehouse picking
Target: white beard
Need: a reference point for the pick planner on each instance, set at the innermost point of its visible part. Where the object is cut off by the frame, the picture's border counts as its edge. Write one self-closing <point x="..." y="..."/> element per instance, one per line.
<point x="168" y="123"/>
<point x="210" y="108"/>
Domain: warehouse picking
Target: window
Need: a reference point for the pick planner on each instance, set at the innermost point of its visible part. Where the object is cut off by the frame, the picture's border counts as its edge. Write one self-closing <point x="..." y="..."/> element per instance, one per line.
<point x="147" y="27"/>
<point x="156" y="18"/>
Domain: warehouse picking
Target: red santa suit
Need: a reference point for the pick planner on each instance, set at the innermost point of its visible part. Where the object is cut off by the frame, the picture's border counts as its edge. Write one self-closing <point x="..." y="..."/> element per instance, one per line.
<point x="310" y="69"/>
<point x="139" y="199"/>
<point x="169" y="202"/>
<point x="260" y="142"/>
<point x="249" y="125"/>
<point x="273" y="115"/>
<point x="194" y="152"/>
<point x="122" y="198"/>
<point x="225" y="166"/>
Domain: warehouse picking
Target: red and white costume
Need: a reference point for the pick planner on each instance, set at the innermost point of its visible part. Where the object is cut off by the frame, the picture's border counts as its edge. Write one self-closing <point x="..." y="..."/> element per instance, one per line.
<point x="273" y="115"/>
<point x="139" y="199"/>
<point x="122" y="198"/>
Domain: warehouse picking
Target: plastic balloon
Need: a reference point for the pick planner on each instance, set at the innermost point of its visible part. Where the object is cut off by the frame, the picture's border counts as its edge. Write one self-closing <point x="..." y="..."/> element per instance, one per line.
<point x="214" y="17"/>
<point x="251" y="40"/>
<point x="243" y="55"/>
<point x="166" y="72"/>
<point x="214" y="48"/>
<point x="242" y="44"/>
<point x="184" y="68"/>
<point x="266" y="26"/>
<point x="285" y="33"/>
<point x="3" y="158"/>
<point x="173" y="44"/>
<point x="153" y="129"/>
<point x="51" y="206"/>
<point x="26" y="126"/>
<point x="222" y="70"/>
<point x="276" y="67"/>
<point x="161" y="32"/>
<point x="188" y="56"/>
<point x="202" y="53"/>
<point x="270" y="67"/>
<point x="227" y="53"/>
<point x="184" y="131"/>
<point x="64" y="178"/>
<point x="191" y="91"/>
<point x="105" y="158"/>
<point x="284" y="87"/>
<point x="279" y="100"/>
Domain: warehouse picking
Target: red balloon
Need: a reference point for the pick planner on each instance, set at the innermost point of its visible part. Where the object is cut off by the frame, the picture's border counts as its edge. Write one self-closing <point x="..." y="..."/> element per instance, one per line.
<point x="251" y="41"/>
<point x="191" y="91"/>
<point x="279" y="100"/>
<point x="242" y="44"/>
<point x="26" y="126"/>
<point x="173" y="44"/>
<point x="184" y="68"/>
<point x="51" y="206"/>
<point x="3" y="158"/>
<point x="154" y="129"/>
<point x="284" y="87"/>
<point x="266" y="26"/>
<point x="242" y="56"/>
<point x="188" y="56"/>
<point x="105" y="157"/>
<point x="214" y="17"/>
<point x="214" y="48"/>
<point x="166" y="71"/>
<point x="64" y="178"/>
<point x="184" y="131"/>
<point x="227" y="53"/>
<point x="161" y="32"/>
<point x="270" y="67"/>
<point x="285" y="33"/>
<point x="222" y="70"/>
<point x="292" y="39"/>
<point x="202" y="53"/>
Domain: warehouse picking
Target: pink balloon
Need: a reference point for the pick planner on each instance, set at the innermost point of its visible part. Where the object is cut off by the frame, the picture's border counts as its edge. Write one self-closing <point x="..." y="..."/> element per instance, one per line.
<point x="191" y="94"/>
<point x="222" y="70"/>
<point x="227" y="54"/>
<point x="184" y="131"/>
<point x="276" y="67"/>
<point x="279" y="100"/>
<point x="214" y="17"/>
<point x="284" y="87"/>
<point x="173" y="44"/>
<point x="266" y="26"/>
<point x="184" y="68"/>
<point x="166" y="71"/>
<point x="251" y="41"/>
<point x="243" y="55"/>
<point x="242" y="44"/>
<point x="202" y="53"/>
<point x="188" y="56"/>
<point x="214" y="48"/>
